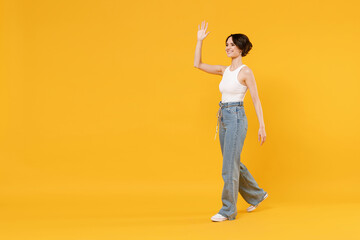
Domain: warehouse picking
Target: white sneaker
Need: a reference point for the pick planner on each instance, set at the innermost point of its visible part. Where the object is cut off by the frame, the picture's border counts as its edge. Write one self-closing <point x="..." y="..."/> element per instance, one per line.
<point x="218" y="218"/>
<point x="252" y="207"/>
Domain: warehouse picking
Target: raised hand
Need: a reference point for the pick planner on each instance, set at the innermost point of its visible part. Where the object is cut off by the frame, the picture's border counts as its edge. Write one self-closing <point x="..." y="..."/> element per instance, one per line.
<point x="202" y="31"/>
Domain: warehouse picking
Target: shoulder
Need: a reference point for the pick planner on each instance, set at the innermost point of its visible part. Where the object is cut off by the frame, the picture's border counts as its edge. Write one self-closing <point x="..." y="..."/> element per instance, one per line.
<point x="247" y="72"/>
<point x="248" y="76"/>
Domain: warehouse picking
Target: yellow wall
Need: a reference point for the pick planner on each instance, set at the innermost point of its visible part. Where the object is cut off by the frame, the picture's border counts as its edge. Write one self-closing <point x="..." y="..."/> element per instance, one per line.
<point x="97" y="95"/>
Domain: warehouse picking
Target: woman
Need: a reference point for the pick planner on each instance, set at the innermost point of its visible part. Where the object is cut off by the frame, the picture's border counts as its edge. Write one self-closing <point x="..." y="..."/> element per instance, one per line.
<point x="236" y="79"/>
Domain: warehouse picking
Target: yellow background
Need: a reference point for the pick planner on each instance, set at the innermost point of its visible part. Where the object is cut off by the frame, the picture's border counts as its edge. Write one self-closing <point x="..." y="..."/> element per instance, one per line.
<point x="107" y="129"/>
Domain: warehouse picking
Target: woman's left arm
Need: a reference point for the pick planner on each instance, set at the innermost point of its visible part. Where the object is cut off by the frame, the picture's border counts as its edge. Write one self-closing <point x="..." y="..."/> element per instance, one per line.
<point x="251" y="84"/>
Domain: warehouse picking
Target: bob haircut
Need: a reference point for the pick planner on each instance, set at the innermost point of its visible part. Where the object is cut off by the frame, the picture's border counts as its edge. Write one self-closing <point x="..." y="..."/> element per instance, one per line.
<point x="242" y="42"/>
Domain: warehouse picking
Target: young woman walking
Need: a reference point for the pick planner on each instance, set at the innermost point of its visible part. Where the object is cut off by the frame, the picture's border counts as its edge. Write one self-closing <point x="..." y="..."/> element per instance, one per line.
<point x="236" y="79"/>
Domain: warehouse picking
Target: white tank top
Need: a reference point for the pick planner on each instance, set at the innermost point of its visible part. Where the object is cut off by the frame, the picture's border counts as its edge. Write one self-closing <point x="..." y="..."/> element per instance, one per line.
<point x="231" y="89"/>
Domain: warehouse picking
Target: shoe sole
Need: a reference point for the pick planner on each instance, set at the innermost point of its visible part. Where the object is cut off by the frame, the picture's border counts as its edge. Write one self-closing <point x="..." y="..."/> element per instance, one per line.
<point x="266" y="195"/>
<point x="219" y="220"/>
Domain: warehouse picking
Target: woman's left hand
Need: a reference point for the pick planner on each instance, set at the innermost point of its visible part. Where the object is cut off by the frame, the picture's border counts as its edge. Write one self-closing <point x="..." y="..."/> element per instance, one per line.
<point x="262" y="135"/>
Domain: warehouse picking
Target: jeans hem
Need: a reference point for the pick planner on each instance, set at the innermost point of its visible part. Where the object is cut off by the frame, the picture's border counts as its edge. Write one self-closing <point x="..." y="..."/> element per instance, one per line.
<point x="262" y="199"/>
<point x="229" y="218"/>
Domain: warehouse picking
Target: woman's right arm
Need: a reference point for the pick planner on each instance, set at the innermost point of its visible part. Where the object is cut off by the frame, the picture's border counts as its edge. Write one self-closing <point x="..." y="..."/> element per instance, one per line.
<point x="214" y="69"/>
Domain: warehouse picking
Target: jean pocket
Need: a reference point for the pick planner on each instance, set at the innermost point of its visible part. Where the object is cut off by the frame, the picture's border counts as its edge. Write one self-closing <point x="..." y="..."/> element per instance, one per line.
<point x="241" y="113"/>
<point x="232" y="110"/>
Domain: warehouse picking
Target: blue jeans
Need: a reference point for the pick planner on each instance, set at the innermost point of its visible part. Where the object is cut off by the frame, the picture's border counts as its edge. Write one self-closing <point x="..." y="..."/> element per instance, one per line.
<point x="236" y="177"/>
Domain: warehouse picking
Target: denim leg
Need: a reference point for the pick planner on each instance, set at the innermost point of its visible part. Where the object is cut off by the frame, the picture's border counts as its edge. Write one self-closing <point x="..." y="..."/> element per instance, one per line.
<point x="248" y="188"/>
<point x="236" y="177"/>
<point x="231" y="137"/>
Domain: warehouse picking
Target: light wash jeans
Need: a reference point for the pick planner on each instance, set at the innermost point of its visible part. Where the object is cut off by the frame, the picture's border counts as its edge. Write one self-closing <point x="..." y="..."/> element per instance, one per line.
<point x="236" y="177"/>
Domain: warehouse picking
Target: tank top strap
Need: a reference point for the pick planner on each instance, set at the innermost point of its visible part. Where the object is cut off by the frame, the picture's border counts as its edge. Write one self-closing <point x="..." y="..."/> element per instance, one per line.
<point x="236" y="70"/>
<point x="241" y="67"/>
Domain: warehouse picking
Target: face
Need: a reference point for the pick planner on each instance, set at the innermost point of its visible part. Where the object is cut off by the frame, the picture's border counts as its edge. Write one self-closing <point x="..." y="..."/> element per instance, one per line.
<point x="231" y="49"/>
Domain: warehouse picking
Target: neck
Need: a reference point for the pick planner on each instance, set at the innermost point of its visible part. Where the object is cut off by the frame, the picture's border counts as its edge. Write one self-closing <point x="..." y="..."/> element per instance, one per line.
<point x="236" y="62"/>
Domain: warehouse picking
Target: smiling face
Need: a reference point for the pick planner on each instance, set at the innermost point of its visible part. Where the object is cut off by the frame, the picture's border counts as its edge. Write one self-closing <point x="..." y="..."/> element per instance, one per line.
<point x="231" y="49"/>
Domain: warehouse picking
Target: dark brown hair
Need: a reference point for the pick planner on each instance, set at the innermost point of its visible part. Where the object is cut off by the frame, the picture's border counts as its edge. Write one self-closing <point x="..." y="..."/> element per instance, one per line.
<point x="242" y="42"/>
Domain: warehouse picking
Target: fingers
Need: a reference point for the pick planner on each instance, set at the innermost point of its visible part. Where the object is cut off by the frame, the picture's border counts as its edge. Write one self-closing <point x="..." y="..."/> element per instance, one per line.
<point x="203" y="24"/>
<point x="262" y="138"/>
